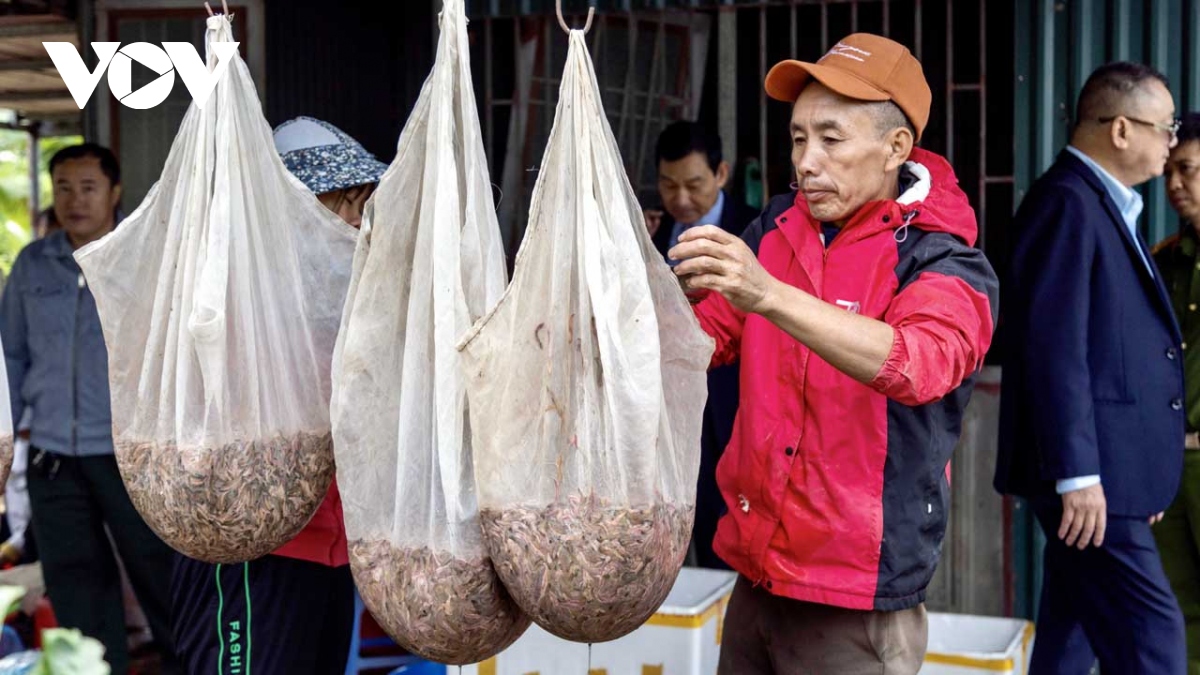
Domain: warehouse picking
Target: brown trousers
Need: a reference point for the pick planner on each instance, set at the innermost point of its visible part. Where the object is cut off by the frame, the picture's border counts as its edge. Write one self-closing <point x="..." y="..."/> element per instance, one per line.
<point x="768" y="635"/>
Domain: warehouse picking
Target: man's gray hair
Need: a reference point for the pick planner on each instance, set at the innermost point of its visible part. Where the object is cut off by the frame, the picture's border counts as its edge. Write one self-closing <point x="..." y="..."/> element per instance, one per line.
<point x="888" y="116"/>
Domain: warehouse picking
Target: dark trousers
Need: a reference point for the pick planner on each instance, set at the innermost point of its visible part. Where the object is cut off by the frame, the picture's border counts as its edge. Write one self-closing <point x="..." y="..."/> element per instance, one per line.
<point x="271" y="615"/>
<point x="73" y="499"/>
<point x="769" y="635"/>
<point x="1113" y="603"/>
<point x="710" y="505"/>
<point x="719" y="413"/>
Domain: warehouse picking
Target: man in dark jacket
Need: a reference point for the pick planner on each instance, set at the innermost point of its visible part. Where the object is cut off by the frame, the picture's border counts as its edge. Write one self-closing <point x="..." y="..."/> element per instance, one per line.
<point x="691" y="182"/>
<point x="692" y="176"/>
<point x="1092" y="408"/>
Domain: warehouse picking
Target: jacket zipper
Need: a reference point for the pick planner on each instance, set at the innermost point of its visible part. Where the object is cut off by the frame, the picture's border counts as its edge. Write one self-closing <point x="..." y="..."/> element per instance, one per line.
<point x="82" y="284"/>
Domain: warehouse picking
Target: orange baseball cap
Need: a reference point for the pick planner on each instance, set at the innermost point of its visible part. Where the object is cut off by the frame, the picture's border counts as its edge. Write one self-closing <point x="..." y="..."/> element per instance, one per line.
<point x="864" y="67"/>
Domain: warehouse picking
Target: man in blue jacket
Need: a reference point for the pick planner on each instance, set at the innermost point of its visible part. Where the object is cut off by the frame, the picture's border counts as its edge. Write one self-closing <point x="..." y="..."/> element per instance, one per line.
<point x="1092" y="408"/>
<point x="58" y="368"/>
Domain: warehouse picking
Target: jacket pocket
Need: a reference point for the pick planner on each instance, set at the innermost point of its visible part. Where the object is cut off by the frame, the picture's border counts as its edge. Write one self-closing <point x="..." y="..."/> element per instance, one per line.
<point x="49" y="312"/>
<point x="935" y="518"/>
<point x="1107" y="364"/>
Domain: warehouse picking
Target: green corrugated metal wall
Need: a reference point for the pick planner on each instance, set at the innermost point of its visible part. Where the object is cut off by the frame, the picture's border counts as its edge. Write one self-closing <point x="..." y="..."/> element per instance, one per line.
<point x="1058" y="43"/>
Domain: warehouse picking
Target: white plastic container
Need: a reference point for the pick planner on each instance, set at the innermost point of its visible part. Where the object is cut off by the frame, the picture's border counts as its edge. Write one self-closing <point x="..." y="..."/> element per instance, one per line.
<point x="961" y="644"/>
<point x="683" y="638"/>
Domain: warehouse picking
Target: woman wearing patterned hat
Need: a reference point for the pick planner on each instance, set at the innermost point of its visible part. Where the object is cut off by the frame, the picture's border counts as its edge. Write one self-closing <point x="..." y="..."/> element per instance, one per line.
<point x="329" y="162"/>
<point x="301" y="597"/>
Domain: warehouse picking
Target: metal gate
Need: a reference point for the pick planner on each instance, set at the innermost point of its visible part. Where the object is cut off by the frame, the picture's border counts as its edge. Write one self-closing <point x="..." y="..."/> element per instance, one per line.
<point x="703" y="59"/>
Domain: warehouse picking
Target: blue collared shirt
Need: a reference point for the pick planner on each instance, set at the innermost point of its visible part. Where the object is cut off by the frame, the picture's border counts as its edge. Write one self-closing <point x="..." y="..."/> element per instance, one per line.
<point x="1128" y="201"/>
<point x="713" y="217"/>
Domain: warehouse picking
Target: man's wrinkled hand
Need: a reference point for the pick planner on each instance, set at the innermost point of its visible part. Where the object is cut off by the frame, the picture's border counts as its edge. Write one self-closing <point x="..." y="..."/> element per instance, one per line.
<point x="1085" y="517"/>
<point x="715" y="260"/>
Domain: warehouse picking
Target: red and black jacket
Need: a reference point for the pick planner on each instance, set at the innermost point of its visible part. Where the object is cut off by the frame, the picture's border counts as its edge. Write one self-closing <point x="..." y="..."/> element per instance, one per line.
<point x="323" y="540"/>
<point x="838" y="491"/>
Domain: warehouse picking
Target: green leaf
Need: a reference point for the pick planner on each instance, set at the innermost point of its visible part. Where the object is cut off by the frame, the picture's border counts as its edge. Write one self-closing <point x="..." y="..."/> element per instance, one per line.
<point x="10" y="598"/>
<point x="66" y="651"/>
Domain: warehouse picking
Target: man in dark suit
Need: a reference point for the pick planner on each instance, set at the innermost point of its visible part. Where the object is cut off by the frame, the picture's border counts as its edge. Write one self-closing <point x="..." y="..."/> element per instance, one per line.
<point x="691" y="182"/>
<point x="1092" y="409"/>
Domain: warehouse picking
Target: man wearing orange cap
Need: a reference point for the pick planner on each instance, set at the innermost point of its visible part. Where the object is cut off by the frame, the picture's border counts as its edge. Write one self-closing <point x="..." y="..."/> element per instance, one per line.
<point x="860" y="311"/>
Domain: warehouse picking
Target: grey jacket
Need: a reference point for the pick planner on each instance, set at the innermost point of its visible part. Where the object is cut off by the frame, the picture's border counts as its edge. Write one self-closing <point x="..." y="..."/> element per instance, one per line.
<point x="54" y="350"/>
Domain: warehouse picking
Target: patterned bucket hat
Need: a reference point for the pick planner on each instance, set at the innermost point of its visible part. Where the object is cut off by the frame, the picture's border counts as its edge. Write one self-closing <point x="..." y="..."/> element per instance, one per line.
<point x="324" y="157"/>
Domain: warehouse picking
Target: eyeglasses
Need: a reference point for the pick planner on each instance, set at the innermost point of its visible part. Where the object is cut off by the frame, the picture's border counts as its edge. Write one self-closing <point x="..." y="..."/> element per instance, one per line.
<point x="1172" y="128"/>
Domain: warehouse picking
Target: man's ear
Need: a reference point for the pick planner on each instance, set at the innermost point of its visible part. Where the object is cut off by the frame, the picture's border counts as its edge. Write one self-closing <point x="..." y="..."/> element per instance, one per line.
<point x="1119" y="133"/>
<point x="722" y="174"/>
<point x="900" y="144"/>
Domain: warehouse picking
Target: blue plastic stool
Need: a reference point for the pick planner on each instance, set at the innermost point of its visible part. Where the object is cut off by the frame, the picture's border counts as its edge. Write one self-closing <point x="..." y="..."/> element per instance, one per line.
<point x="405" y="664"/>
<point x="10" y="642"/>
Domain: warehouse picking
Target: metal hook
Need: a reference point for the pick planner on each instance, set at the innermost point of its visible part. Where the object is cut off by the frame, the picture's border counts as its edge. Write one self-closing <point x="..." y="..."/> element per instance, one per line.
<point x="558" y="10"/>
<point x="224" y="9"/>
